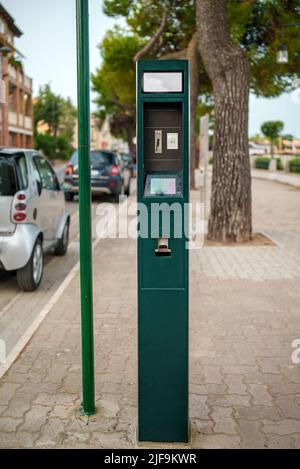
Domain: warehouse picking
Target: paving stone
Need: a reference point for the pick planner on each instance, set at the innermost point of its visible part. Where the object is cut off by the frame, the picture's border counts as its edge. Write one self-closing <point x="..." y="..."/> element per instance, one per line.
<point x="52" y="434"/>
<point x="260" y="395"/>
<point x="203" y="426"/>
<point x="212" y="375"/>
<point x="56" y="398"/>
<point x="289" y="406"/>
<point x="198" y="407"/>
<point x="235" y="384"/>
<point x="257" y="412"/>
<point x="108" y="408"/>
<point x="18" y="406"/>
<point x="35" y="418"/>
<point x="252" y="436"/>
<point x="282" y="427"/>
<point x="217" y="442"/>
<point x="279" y="442"/>
<point x="230" y="400"/>
<point x="7" y="391"/>
<point x="9" y="424"/>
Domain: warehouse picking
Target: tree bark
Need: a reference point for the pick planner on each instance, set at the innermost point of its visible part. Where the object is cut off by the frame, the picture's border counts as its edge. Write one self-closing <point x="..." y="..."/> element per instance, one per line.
<point x="129" y="134"/>
<point x="193" y="56"/>
<point x="227" y="66"/>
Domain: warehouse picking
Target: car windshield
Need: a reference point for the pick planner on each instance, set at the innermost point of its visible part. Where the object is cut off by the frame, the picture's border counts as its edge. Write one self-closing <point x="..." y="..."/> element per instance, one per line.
<point x="8" y="183"/>
<point x="126" y="157"/>
<point x="74" y="158"/>
<point x="99" y="158"/>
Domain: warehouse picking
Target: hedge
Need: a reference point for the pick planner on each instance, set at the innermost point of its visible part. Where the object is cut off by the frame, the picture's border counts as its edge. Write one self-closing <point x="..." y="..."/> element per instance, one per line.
<point x="262" y="162"/>
<point x="294" y="165"/>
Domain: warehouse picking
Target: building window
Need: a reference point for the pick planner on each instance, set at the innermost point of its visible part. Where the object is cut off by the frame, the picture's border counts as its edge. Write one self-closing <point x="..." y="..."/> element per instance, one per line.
<point x="2" y="26"/>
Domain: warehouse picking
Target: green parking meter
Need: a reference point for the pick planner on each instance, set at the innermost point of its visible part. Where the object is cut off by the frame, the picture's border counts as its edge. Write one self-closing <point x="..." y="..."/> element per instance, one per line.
<point x="163" y="261"/>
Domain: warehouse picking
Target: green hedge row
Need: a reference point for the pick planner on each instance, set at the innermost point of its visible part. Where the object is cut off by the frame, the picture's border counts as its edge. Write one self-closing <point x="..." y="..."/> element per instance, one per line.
<point x="262" y="162"/>
<point x="294" y="165"/>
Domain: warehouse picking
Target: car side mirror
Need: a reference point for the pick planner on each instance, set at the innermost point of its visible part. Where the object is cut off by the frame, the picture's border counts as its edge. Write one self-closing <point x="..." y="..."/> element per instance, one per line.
<point x="39" y="187"/>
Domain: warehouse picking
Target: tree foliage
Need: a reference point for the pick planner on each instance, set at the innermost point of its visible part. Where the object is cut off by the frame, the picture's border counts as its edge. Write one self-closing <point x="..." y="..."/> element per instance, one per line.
<point x="256" y="26"/>
<point x="272" y="130"/>
<point x="260" y="28"/>
<point x="114" y="82"/>
<point x="58" y="115"/>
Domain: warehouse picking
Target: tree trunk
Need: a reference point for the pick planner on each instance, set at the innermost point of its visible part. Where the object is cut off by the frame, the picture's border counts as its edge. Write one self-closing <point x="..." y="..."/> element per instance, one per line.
<point x="193" y="57"/>
<point x="129" y="134"/>
<point x="227" y="66"/>
<point x="272" y="149"/>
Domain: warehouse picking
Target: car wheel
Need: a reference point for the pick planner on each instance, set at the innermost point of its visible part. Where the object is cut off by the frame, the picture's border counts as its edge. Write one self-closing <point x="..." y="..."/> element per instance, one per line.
<point x="30" y="276"/>
<point x="118" y="194"/>
<point x="69" y="196"/>
<point x="62" y="244"/>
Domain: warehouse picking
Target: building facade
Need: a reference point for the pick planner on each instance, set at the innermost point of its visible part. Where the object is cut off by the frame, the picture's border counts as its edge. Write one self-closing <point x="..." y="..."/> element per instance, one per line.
<point x="16" y="113"/>
<point x="101" y="137"/>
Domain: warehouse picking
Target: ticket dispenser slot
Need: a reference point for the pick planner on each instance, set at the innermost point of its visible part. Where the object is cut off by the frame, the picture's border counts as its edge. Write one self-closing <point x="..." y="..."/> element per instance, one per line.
<point x="163" y="248"/>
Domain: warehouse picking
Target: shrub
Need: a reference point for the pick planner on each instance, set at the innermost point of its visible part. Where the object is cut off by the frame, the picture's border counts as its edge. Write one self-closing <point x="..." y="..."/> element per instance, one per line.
<point x="279" y="164"/>
<point x="262" y="162"/>
<point x="294" y="165"/>
<point x="53" y="147"/>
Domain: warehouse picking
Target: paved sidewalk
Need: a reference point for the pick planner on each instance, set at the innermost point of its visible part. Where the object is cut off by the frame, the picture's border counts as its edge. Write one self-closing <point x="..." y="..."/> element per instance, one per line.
<point x="244" y="387"/>
<point x="284" y="177"/>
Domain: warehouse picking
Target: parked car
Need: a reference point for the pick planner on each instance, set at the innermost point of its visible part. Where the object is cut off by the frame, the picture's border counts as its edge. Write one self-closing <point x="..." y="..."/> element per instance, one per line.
<point x="109" y="175"/>
<point x="128" y="160"/>
<point x="255" y="149"/>
<point x="33" y="217"/>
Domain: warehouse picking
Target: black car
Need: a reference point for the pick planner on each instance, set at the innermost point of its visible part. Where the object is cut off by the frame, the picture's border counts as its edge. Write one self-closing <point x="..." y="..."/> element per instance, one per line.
<point x="109" y="175"/>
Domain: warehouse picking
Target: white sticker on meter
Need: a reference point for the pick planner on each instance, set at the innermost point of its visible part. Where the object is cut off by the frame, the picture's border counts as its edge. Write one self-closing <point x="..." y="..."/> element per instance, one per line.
<point x="172" y="141"/>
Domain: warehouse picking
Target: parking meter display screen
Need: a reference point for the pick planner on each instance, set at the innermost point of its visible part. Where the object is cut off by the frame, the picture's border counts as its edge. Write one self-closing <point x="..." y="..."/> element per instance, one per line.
<point x="163" y="186"/>
<point x="162" y="82"/>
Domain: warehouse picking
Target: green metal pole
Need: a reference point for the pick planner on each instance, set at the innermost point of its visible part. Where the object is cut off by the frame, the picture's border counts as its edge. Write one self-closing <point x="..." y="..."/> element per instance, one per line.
<point x="86" y="273"/>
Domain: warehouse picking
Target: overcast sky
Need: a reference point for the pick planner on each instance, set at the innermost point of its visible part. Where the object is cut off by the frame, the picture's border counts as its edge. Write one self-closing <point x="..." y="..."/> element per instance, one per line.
<point x="49" y="44"/>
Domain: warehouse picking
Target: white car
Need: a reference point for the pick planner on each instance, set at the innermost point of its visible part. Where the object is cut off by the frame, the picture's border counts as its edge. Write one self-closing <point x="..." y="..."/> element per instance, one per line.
<point x="255" y="149"/>
<point x="33" y="217"/>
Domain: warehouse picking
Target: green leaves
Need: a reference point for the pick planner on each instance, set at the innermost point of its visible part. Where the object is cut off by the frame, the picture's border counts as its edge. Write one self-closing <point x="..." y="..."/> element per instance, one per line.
<point x="56" y="112"/>
<point x="114" y="81"/>
<point x="260" y="28"/>
<point x="272" y="129"/>
<point x="58" y="116"/>
<point x="117" y="7"/>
